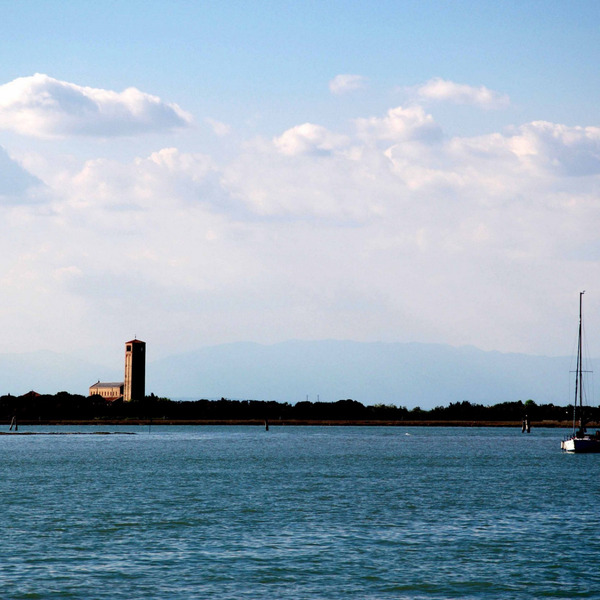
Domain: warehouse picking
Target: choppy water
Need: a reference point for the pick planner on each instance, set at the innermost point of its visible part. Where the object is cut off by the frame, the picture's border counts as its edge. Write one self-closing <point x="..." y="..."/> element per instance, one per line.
<point x="298" y="513"/>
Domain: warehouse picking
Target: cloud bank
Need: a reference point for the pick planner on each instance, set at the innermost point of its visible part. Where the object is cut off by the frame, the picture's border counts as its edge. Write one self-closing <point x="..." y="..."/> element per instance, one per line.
<point x="41" y="106"/>
<point x="387" y="229"/>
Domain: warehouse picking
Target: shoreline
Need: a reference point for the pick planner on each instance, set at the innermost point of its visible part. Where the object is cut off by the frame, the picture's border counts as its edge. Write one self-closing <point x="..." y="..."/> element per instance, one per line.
<point x="293" y="423"/>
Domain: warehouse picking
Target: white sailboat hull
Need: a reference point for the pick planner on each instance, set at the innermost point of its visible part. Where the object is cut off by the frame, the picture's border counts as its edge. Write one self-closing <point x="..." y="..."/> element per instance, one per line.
<point x="581" y="445"/>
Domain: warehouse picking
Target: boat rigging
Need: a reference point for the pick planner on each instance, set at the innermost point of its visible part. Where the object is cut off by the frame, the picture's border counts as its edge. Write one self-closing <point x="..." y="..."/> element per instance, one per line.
<point x="580" y="440"/>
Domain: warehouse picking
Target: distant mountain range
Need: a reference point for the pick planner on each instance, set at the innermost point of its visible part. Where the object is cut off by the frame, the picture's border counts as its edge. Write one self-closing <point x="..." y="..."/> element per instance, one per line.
<point x="410" y="375"/>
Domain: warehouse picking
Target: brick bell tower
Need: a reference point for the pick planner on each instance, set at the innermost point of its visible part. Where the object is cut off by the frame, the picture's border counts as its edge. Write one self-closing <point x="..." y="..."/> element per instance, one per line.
<point x="135" y="371"/>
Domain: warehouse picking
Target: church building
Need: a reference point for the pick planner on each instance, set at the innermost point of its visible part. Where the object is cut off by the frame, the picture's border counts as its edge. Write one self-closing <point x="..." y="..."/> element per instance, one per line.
<point x="109" y="391"/>
<point x="134" y="386"/>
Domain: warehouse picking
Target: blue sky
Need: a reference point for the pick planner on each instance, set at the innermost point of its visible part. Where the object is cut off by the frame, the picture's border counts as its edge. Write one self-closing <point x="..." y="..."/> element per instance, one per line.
<point x="235" y="59"/>
<point x="205" y="172"/>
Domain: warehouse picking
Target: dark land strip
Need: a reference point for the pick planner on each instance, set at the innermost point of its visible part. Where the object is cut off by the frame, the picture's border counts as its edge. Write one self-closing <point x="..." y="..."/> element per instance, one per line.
<point x="286" y="422"/>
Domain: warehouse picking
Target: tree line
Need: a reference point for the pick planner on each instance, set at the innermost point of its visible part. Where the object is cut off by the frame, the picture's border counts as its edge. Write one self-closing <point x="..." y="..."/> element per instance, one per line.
<point x="65" y="406"/>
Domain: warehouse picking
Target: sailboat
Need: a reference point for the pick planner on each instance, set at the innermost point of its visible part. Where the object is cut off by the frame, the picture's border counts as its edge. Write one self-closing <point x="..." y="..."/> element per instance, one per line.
<point x="580" y="441"/>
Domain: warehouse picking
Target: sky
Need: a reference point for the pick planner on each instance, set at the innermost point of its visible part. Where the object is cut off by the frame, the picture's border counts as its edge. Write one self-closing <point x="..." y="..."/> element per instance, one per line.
<point x="197" y="173"/>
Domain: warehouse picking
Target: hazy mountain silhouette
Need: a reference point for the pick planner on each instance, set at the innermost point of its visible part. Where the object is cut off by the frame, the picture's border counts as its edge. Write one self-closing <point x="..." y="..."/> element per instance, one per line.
<point x="411" y="374"/>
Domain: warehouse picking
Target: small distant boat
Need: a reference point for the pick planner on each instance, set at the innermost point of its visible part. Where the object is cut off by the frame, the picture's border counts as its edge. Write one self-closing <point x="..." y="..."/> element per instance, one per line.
<point x="580" y="441"/>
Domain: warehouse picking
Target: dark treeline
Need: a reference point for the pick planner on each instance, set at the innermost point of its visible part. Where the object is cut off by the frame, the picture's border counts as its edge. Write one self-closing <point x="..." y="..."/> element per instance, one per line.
<point x="65" y="406"/>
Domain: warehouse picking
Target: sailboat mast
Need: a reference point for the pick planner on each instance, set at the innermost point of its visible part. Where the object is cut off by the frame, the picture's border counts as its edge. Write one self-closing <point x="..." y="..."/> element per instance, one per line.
<point x="579" y="373"/>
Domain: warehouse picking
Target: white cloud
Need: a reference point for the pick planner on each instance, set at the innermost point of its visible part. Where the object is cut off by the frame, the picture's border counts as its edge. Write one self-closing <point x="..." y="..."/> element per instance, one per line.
<point x="342" y="84"/>
<point x="309" y="139"/>
<point x="220" y="129"/>
<point x="400" y="124"/>
<point x="167" y="179"/>
<point x="41" y="106"/>
<point x="459" y="93"/>
<point x="308" y="186"/>
<point x="572" y="151"/>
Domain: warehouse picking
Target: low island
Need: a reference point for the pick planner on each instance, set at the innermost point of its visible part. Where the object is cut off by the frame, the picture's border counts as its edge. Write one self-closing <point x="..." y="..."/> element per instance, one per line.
<point x="66" y="408"/>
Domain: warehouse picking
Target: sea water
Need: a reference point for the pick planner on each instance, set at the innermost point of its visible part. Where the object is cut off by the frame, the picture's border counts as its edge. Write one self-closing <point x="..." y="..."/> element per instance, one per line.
<point x="297" y="513"/>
